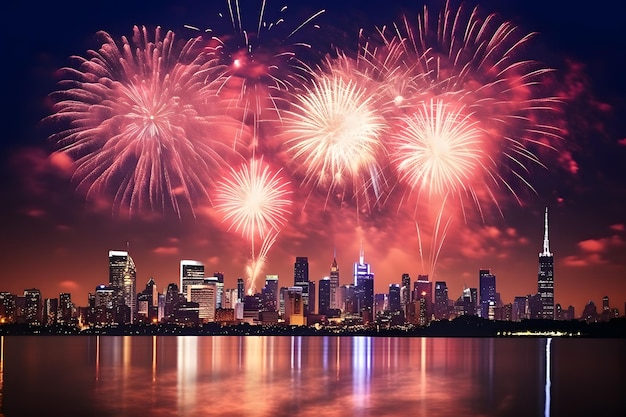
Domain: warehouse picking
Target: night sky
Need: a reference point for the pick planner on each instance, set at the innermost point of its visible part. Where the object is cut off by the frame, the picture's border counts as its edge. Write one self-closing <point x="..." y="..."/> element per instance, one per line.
<point x="54" y="240"/>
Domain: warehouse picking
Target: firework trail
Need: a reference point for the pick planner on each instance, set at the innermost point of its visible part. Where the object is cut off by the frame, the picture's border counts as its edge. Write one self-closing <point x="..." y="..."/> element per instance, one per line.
<point x="333" y="132"/>
<point x="261" y="58"/>
<point x="255" y="202"/>
<point x="139" y="119"/>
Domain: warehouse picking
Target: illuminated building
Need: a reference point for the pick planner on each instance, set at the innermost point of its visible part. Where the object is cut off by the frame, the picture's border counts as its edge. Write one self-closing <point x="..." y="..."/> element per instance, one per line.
<point x="122" y="278"/>
<point x="148" y="302"/>
<point x="487" y="284"/>
<point x="325" y="296"/>
<point x="545" y="277"/>
<point x="65" y="308"/>
<point x="519" y="312"/>
<point x="7" y="307"/>
<point x="241" y="289"/>
<point x="423" y="309"/>
<point x="441" y="300"/>
<point x="270" y="293"/>
<point x="33" y="307"/>
<point x="394" y="298"/>
<point x="301" y="279"/>
<point x="50" y="311"/>
<point x="334" y="283"/>
<point x="294" y="306"/>
<point x="206" y="296"/>
<point x="380" y="303"/>
<point x="423" y="285"/>
<point x="364" y="286"/>
<point x="405" y="292"/>
<point x="172" y="298"/>
<point x="191" y="273"/>
<point x="220" y="288"/>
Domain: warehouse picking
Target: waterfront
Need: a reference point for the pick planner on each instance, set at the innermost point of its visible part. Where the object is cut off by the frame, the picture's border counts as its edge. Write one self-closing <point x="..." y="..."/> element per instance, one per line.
<point x="296" y="375"/>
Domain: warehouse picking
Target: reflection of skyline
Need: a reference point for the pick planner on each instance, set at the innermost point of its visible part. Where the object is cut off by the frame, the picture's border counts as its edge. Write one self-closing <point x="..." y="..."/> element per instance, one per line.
<point x="308" y="376"/>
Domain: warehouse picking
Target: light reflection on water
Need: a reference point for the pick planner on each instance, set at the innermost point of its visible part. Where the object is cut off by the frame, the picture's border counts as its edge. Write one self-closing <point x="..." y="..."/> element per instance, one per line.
<point x="304" y="376"/>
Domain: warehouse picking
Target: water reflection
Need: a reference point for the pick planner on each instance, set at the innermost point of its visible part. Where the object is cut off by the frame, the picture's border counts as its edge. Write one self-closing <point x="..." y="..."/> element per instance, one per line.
<point x="546" y="411"/>
<point x="304" y="376"/>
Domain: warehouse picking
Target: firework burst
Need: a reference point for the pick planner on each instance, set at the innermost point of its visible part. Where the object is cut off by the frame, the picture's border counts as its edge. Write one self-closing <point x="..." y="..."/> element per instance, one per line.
<point x="255" y="202"/>
<point x="334" y="131"/>
<point x="459" y="56"/>
<point x="142" y="122"/>
<point x="261" y="57"/>
<point x="439" y="150"/>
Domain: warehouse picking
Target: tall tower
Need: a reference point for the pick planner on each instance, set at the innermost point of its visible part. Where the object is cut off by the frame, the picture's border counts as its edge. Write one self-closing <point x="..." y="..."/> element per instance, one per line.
<point x="487" y="284"/>
<point x="301" y="279"/>
<point x="364" y="282"/>
<point x="545" y="277"/>
<point x="123" y="279"/>
<point x="334" y="283"/>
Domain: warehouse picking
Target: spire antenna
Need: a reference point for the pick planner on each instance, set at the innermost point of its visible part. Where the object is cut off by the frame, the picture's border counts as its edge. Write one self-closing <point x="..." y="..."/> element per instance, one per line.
<point x="546" y="242"/>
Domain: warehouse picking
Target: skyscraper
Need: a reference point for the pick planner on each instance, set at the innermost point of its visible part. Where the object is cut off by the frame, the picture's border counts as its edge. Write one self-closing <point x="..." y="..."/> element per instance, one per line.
<point x="270" y="293"/>
<point x="191" y="273"/>
<point x="394" y="298"/>
<point x="487" y="285"/>
<point x="301" y="279"/>
<point x="545" y="277"/>
<point x="364" y="282"/>
<point x="334" y="283"/>
<point x="441" y="300"/>
<point x="324" y="296"/>
<point x="423" y="289"/>
<point x="123" y="279"/>
<point x="240" y="289"/>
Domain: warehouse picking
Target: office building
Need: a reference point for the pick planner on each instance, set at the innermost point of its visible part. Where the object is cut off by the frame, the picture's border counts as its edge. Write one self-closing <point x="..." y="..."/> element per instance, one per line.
<point x="324" y="296"/>
<point x="441" y="300"/>
<point x="191" y="273"/>
<point x="394" y="298"/>
<point x="487" y="285"/>
<point x="123" y="279"/>
<point x="301" y="279"/>
<point x="364" y="286"/>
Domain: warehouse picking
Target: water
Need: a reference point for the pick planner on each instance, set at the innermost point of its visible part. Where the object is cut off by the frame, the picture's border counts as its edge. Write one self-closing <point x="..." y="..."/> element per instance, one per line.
<point x="310" y="376"/>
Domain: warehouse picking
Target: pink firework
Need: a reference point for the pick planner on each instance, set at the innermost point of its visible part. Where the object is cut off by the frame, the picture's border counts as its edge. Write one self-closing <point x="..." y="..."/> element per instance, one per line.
<point x="333" y="131"/>
<point x="255" y="202"/>
<point x="440" y="150"/>
<point x="261" y="57"/>
<point x="143" y="122"/>
<point x="479" y="62"/>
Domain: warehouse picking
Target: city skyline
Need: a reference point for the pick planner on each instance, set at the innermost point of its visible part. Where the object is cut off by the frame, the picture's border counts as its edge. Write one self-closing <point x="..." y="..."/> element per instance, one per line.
<point x="48" y="225"/>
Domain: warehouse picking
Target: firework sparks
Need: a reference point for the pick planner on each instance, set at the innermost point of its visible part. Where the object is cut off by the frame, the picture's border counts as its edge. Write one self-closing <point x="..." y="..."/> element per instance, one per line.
<point x="439" y="149"/>
<point x="479" y="63"/>
<point x="334" y="131"/>
<point x="142" y="122"/>
<point x="255" y="201"/>
<point x="261" y="57"/>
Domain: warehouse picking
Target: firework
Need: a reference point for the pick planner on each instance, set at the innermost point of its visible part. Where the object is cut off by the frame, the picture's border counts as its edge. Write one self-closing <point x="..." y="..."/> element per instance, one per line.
<point x="334" y="131"/>
<point x="261" y="57"/>
<point x="143" y="123"/>
<point x="478" y="63"/>
<point x="255" y="202"/>
<point x="439" y="150"/>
